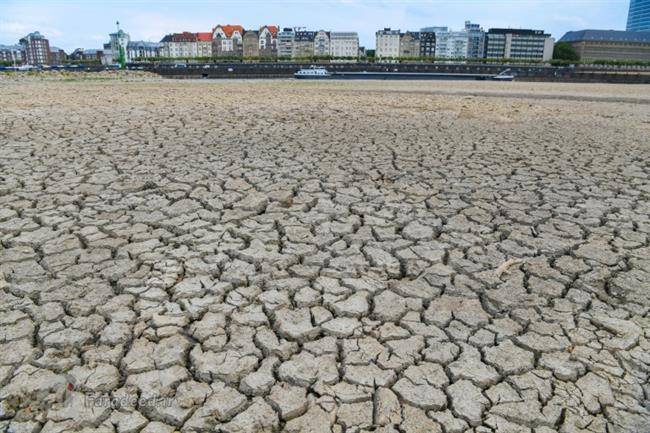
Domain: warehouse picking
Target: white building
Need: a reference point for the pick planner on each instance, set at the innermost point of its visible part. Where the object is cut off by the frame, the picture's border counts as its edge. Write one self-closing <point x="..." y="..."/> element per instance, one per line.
<point x="268" y="41"/>
<point x="450" y="44"/>
<point x="285" y="42"/>
<point x="141" y="50"/>
<point x="344" y="44"/>
<point x="387" y="43"/>
<point x="322" y="43"/>
<point x="12" y="53"/>
<point x="179" y="45"/>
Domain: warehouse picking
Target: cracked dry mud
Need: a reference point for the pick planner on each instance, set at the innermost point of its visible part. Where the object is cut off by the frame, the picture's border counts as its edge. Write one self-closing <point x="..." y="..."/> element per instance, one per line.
<point x="307" y="257"/>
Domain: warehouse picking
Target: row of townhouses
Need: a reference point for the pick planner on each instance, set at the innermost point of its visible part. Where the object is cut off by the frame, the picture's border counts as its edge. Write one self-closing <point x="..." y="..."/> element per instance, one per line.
<point x="471" y="42"/>
<point x="266" y="42"/>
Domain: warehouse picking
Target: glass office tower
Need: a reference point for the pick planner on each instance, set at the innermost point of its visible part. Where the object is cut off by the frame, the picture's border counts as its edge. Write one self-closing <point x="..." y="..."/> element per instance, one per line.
<point x="638" y="19"/>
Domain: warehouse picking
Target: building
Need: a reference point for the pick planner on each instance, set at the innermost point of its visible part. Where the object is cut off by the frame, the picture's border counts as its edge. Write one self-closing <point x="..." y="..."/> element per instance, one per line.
<point x="285" y="43"/>
<point x="12" y="54"/>
<point x="449" y="44"/>
<point x="57" y="56"/>
<point x="227" y="41"/>
<point x="322" y="43"/>
<point x="344" y="44"/>
<point x="117" y="40"/>
<point x="84" y="55"/>
<point x="475" y="40"/>
<point x="251" y="44"/>
<point x="409" y="45"/>
<point x="609" y="44"/>
<point x="179" y="45"/>
<point x="142" y="50"/>
<point x="204" y="44"/>
<point x="518" y="44"/>
<point x="303" y="44"/>
<point x="36" y="48"/>
<point x="387" y="44"/>
<point x="427" y="44"/>
<point x="268" y="41"/>
<point x="638" y="18"/>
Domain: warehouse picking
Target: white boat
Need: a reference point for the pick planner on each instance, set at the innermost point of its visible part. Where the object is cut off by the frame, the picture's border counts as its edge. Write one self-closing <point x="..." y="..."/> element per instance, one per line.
<point x="504" y="76"/>
<point x="313" y="73"/>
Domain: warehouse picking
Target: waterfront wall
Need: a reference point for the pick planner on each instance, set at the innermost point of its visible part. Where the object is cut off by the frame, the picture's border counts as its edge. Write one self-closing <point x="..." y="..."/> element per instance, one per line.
<point x="522" y="72"/>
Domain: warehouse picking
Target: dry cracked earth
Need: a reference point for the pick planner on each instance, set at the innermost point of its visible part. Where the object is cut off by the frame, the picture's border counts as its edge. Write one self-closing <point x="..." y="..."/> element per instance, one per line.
<point x="341" y="257"/>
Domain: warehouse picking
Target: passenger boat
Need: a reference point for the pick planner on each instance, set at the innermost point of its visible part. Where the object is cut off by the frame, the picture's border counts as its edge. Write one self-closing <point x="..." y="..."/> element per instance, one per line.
<point x="313" y="73"/>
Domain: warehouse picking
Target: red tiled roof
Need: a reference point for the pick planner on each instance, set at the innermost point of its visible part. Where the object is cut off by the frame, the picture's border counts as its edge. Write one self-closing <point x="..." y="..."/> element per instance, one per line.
<point x="273" y="29"/>
<point x="204" y="36"/>
<point x="184" y="37"/>
<point x="230" y="29"/>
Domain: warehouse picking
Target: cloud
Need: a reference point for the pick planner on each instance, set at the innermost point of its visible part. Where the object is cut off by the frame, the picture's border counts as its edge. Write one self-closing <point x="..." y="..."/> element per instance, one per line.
<point x="16" y="29"/>
<point x="154" y="25"/>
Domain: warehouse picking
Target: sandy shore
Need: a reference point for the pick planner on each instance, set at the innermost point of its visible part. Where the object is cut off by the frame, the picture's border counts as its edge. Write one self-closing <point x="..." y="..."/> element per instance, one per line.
<point x="261" y="256"/>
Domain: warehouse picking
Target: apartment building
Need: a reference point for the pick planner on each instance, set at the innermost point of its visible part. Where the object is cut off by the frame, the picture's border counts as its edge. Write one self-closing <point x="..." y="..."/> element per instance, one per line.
<point x="57" y="56"/>
<point x="268" y="41"/>
<point x="344" y="44"/>
<point x="303" y="43"/>
<point x="387" y="43"/>
<point x="251" y="44"/>
<point x="12" y="53"/>
<point x="449" y="44"/>
<point x="475" y="40"/>
<point x="427" y="44"/>
<point x="227" y="41"/>
<point x="322" y="43"/>
<point x="204" y="44"/>
<point x="409" y="45"/>
<point x="36" y="48"/>
<point x="179" y="45"/>
<point x="286" y="42"/>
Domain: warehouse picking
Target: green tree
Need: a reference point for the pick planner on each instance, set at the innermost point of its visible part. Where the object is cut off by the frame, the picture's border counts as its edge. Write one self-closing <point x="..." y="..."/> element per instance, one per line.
<point x="564" y="51"/>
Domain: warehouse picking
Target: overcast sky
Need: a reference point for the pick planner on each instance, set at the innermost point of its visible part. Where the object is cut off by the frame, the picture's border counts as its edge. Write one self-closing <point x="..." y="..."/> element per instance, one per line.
<point x="71" y="24"/>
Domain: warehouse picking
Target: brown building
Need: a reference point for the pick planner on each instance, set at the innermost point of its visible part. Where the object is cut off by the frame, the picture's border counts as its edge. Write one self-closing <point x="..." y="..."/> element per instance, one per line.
<point x="303" y="44"/>
<point x="409" y="45"/>
<point x="81" y="54"/>
<point x="251" y="44"/>
<point x="609" y="44"/>
<point x="57" y="56"/>
<point x="36" y="48"/>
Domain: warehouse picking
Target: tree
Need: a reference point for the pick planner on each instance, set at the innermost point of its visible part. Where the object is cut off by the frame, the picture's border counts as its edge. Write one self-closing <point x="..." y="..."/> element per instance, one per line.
<point x="565" y="51"/>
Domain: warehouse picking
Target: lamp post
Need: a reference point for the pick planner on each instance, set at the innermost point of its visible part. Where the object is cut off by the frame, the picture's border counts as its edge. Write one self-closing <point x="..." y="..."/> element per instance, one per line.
<point x="120" y="48"/>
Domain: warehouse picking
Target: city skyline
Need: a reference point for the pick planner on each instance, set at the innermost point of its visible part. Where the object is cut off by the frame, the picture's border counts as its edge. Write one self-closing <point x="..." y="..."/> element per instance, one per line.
<point x="71" y="24"/>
